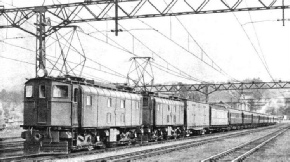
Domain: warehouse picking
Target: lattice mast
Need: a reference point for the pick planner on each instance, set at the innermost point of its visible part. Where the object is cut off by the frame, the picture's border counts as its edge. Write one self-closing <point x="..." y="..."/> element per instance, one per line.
<point x="140" y="73"/>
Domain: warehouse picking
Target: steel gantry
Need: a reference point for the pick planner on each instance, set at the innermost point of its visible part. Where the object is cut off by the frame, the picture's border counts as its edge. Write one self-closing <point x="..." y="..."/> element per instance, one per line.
<point x="51" y="18"/>
<point x="207" y="89"/>
<point x="210" y="88"/>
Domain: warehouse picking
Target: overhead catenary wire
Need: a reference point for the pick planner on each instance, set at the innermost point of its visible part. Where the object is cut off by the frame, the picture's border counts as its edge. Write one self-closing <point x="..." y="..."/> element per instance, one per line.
<point x="147" y="48"/>
<point x="220" y="70"/>
<point x="163" y="60"/>
<point x="33" y="64"/>
<point x="68" y="61"/>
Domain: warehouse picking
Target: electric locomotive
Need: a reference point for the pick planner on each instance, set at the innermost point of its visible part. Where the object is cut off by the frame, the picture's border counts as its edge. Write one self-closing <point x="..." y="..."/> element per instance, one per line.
<point x="70" y="113"/>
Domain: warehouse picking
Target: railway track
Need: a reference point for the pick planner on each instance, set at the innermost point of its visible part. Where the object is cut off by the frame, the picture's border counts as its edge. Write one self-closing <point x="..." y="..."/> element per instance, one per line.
<point x="239" y="153"/>
<point x="11" y="146"/>
<point x="199" y="140"/>
<point x="163" y="150"/>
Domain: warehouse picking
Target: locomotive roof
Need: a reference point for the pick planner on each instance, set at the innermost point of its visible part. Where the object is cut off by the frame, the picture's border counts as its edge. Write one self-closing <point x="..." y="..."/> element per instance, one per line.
<point x="82" y="81"/>
<point x="109" y="93"/>
<point x="168" y="101"/>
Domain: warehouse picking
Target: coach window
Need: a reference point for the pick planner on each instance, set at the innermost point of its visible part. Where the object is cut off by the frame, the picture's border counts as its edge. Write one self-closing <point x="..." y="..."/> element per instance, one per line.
<point x="42" y="91"/>
<point x="28" y="91"/>
<point x="174" y="108"/>
<point x="122" y="118"/>
<point x="168" y="108"/>
<point x="167" y="118"/>
<point x="89" y="100"/>
<point x="123" y="103"/>
<point x="137" y="105"/>
<point x="108" y="117"/>
<point x="60" y="91"/>
<point x="174" y="118"/>
<point x="109" y="102"/>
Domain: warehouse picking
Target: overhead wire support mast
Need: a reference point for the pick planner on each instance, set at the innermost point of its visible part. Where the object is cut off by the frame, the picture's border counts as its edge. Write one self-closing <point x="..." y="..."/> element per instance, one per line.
<point x="66" y="14"/>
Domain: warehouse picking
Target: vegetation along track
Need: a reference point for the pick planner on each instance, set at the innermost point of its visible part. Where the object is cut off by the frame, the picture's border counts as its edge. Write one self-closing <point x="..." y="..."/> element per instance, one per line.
<point x="199" y="140"/>
<point x="166" y="149"/>
<point x="239" y="153"/>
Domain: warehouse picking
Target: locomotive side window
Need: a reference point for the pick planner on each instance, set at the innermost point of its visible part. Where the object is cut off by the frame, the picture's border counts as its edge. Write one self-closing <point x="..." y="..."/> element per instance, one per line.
<point x="76" y="95"/>
<point x="28" y="91"/>
<point x="89" y="100"/>
<point x="109" y="102"/>
<point x="60" y="91"/>
<point x="122" y="103"/>
<point x="42" y="91"/>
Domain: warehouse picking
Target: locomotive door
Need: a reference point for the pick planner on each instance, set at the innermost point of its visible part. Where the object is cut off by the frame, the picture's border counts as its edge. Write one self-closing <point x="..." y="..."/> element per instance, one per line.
<point x="75" y="105"/>
<point x="41" y="104"/>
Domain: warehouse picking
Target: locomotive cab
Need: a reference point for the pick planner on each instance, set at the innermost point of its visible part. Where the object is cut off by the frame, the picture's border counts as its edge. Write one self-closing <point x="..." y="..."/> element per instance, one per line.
<point x="48" y="103"/>
<point x="63" y="114"/>
<point x="49" y="115"/>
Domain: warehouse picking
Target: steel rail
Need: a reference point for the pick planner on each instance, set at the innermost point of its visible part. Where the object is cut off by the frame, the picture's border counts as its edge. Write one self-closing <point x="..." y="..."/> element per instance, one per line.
<point x="242" y="157"/>
<point x="223" y="154"/>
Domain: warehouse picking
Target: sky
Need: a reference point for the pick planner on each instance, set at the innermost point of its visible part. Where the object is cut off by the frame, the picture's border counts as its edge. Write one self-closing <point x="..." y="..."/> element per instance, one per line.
<point x="236" y="42"/>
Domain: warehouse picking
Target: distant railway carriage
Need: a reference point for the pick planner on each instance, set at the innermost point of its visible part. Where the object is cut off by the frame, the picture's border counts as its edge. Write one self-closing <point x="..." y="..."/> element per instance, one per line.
<point x="255" y="119"/>
<point x="235" y="118"/>
<point x="248" y="118"/>
<point x="197" y="117"/>
<point x="218" y="117"/>
<point x="63" y="114"/>
<point x="263" y="120"/>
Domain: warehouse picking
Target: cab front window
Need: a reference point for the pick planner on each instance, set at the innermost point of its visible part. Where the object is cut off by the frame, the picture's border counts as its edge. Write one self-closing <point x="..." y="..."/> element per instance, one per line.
<point x="42" y="91"/>
<point x="29" y="91"/>
<point x="60" y="91"/>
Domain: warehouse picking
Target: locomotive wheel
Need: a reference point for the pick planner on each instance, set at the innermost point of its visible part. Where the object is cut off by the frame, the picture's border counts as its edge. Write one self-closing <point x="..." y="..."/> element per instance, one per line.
<point x="90" y="148"/>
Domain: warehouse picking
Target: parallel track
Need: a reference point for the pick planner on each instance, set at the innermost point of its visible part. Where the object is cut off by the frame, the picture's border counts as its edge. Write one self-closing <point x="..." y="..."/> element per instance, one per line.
<point x="239" y="153"/>
<point x="11" y="146"/>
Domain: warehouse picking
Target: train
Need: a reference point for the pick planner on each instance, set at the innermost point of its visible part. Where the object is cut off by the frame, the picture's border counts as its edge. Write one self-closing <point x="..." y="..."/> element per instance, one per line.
<point x="63" y="114"/>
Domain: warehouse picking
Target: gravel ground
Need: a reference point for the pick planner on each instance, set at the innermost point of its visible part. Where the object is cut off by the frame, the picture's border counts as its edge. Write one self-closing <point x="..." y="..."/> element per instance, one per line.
<point x="276" y="150"/>
<point x="205" y="151"/>
<point x="11" y="132"/>
<point x="176" y="156"/>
